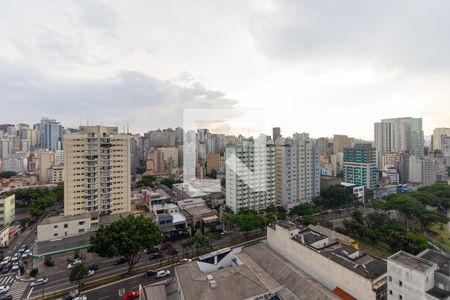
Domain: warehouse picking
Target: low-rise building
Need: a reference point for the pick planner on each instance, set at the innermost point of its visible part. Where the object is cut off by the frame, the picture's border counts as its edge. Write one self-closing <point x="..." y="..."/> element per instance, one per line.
<point x="198" y="215"/>
<point x="337" y="266"/>
<point x="7" y="209"/>
<point x="61" y="227"/>
<point x="55" y="174"/>
<point x="357" y="190"/>
<point x="421" y="277"/>
<point x="4" y="236"/>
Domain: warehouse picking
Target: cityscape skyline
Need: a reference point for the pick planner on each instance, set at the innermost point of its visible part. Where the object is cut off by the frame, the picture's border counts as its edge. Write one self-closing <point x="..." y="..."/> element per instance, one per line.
<point x="128" y="64"/>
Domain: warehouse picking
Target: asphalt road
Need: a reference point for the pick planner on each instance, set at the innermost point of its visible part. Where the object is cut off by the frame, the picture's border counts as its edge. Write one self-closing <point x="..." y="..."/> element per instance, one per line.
<point x="118" y="289"/>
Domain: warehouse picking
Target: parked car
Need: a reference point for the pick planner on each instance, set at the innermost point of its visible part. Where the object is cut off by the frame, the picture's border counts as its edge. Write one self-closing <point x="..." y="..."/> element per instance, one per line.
<point x="5" y="260"/>
<point x="150" y="272"/>
<point x="131" y="296"/>
<point x="4" y="289"/>
<point x="80" y="297"/>
<point x="185" y="260"/>
<point x="6" y="297"/>
<point x="93" y="267"/>
<point x="120" y="261"/>
<point x="6" y="268"/>
<point x="155" y="256"/>
<point x="90" y="273"/>
<point x="162" y="274"/>
<point x="39" y="281"/>
<point x="15" y="267"/>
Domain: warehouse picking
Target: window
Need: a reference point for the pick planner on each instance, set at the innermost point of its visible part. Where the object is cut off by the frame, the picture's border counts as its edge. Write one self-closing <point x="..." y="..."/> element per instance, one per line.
<point x="390" y="278"/>
<point x="400" y="283"/>
<point x="55" y="234"/>
<point x="81" y="223"/>
<point x="66" y="225"/>
<point x="81" y="230"/>
<point x="400" y="297"/>
<point x="55" y="226"/>
<point x="390" y="292"/>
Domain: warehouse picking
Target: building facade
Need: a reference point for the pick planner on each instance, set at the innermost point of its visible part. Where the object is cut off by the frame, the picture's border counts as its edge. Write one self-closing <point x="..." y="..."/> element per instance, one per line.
<point x="422" y="170"/>
<point x="97" y="171"/>
<point x="360" y="166"/>
<point x="250" y="175"/>
<point x="297" y="171"/>
<point x="7" y="209"/>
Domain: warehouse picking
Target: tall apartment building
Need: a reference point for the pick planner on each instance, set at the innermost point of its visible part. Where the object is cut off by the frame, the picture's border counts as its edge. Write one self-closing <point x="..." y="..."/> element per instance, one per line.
<point x="51" y="134"/>
<point x="437" y="137"/>
<point x="422" y="170"/>
<point x="162" y="138"/>
<point x="297" y="171"/>
<point x="250" y="175"/>
<point x="97" y="171"/>
<point x="44" y="163"/>
<point x="170" y="157"/>
<point x="155" y="162"/>
<point x="17" y="162"/>
<point x="399" y="160"/>
<point x="340" y="142"/>
<point x="360" y="166"/>
<point x="399" y="134"/>
<point x="212" y="162"/>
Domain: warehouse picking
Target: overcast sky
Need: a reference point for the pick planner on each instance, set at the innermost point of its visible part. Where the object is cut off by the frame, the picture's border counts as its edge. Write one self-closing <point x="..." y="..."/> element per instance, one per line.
<point x="322" y="67"/>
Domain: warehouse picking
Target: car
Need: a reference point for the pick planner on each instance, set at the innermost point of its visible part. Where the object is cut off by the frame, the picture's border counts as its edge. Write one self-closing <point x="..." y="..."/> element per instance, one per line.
<point x="6" y="297"/>
<point x="40" y="281"/>
<point x="15" y="267"/>
<point x="150" y="272"/>
<point x="25" y="255"/>
<point x="72" y="265"/>
<point x="90" y="273"/>
<point x="162" y="274"/>
<point x="5" y="260"/>
<point x="155" y="256"/>
<point x="131" y="296"/>
<point x="14" y="259"/>
<point x="80" y="297"/>
<point x="6" y="268"/>
<point x="28" y="252"/>
<point x="93" y="267"/>
<point x="4" y="289"/>
<point x="120" y="261"/>
<point x="185" y="260"/>
<point x="21" y="250"/>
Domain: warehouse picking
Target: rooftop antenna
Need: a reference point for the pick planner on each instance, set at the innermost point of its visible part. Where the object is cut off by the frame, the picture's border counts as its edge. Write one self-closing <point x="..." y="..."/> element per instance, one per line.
<point x="128" y="128"/>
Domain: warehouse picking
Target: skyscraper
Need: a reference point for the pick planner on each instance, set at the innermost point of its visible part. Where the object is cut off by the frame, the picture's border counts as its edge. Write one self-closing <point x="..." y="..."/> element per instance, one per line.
<point x="340" y="142"/>
<point x="297" y="171"/>
<point x="51" y="134"/>
<point x="438" y="134"/>
<point x="360" y="166"/>
<point x="399" y="134"/>
<point x="97" y="171"/>
<point x="250" y="175"/>
<point x="276" y="133"/>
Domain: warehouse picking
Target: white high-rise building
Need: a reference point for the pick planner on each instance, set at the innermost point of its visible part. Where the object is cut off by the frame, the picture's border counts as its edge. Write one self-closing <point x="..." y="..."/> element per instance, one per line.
<point x="250" y="175"/>
<point x="17" y="162"/>
<point x="398" y="134"/>
<point x="422" y="170"/>
<point x="97" y="171"/>
<point x="297" y="171"/>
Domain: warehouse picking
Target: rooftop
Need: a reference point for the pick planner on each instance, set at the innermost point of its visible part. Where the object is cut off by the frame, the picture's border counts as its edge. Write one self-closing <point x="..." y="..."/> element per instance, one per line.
<point x="411" y="261"/>
<point x="334" y="235"/>
<point x="442" y="260"/>
<point x="199" y="188"/>
<point x="60" y="219"/>
<point x="164" y="206"/>
<point x="438" y="293"/>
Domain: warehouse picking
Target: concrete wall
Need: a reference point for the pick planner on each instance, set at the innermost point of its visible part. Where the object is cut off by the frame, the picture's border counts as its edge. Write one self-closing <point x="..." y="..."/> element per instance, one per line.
<point x="414" y="283"/>
<point x="322" y="269"/>
<point x="46" y="232"/>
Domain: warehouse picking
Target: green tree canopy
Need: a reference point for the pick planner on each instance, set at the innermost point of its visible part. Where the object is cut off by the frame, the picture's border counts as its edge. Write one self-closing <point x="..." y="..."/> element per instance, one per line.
<point x="335" y="196"/>
<point x="303" y="209"/>
<point x="248" y="221"/>
<point x="78" y="272"/>
<point x="169" y="182"/>
<point x="146" y="181"/>
<point x="127" y="237"/>
<point x="7" y="174"/>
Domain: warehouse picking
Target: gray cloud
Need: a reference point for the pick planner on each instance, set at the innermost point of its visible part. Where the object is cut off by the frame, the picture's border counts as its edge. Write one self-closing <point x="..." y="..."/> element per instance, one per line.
<point x="143" y="101"/>
<point x="405" y="35"/>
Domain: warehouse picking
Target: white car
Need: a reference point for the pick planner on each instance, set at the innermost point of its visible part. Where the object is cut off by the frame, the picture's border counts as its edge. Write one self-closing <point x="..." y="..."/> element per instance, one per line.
<point x="6" y="260"/>
<point x="39" y="282"/>
<point x="72" y="265"/>
<point x="4" y="289"/>
<point x="15" y="267"/>
<point x="162" y="274"/>
<point x="81" y="297"/>
<point x="185" y="260"/>
<point x="90" y="273"/>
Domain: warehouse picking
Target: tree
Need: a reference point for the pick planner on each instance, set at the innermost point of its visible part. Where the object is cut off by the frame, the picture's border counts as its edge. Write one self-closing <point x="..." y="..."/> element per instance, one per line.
<point x="78" y="272"/>
<point x="248" y="221"/>
<point x="303" y="209"/>
<point x="146" y="181"/>
<point x="187" y="244"/>
<point x="335" y="196"/>
<point x="169" y="182"/>
<point x="201" y="241"/>
<point x="358" y="217"/>
<point x="127" y="237"/>
<point x="7" y="174"/>
<point x="34" y="272"/>
<point x="426" y="218"/>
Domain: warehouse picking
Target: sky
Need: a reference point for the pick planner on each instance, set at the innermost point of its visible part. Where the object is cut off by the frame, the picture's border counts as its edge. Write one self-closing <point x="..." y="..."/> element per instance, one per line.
<point x="323" y="67"/>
